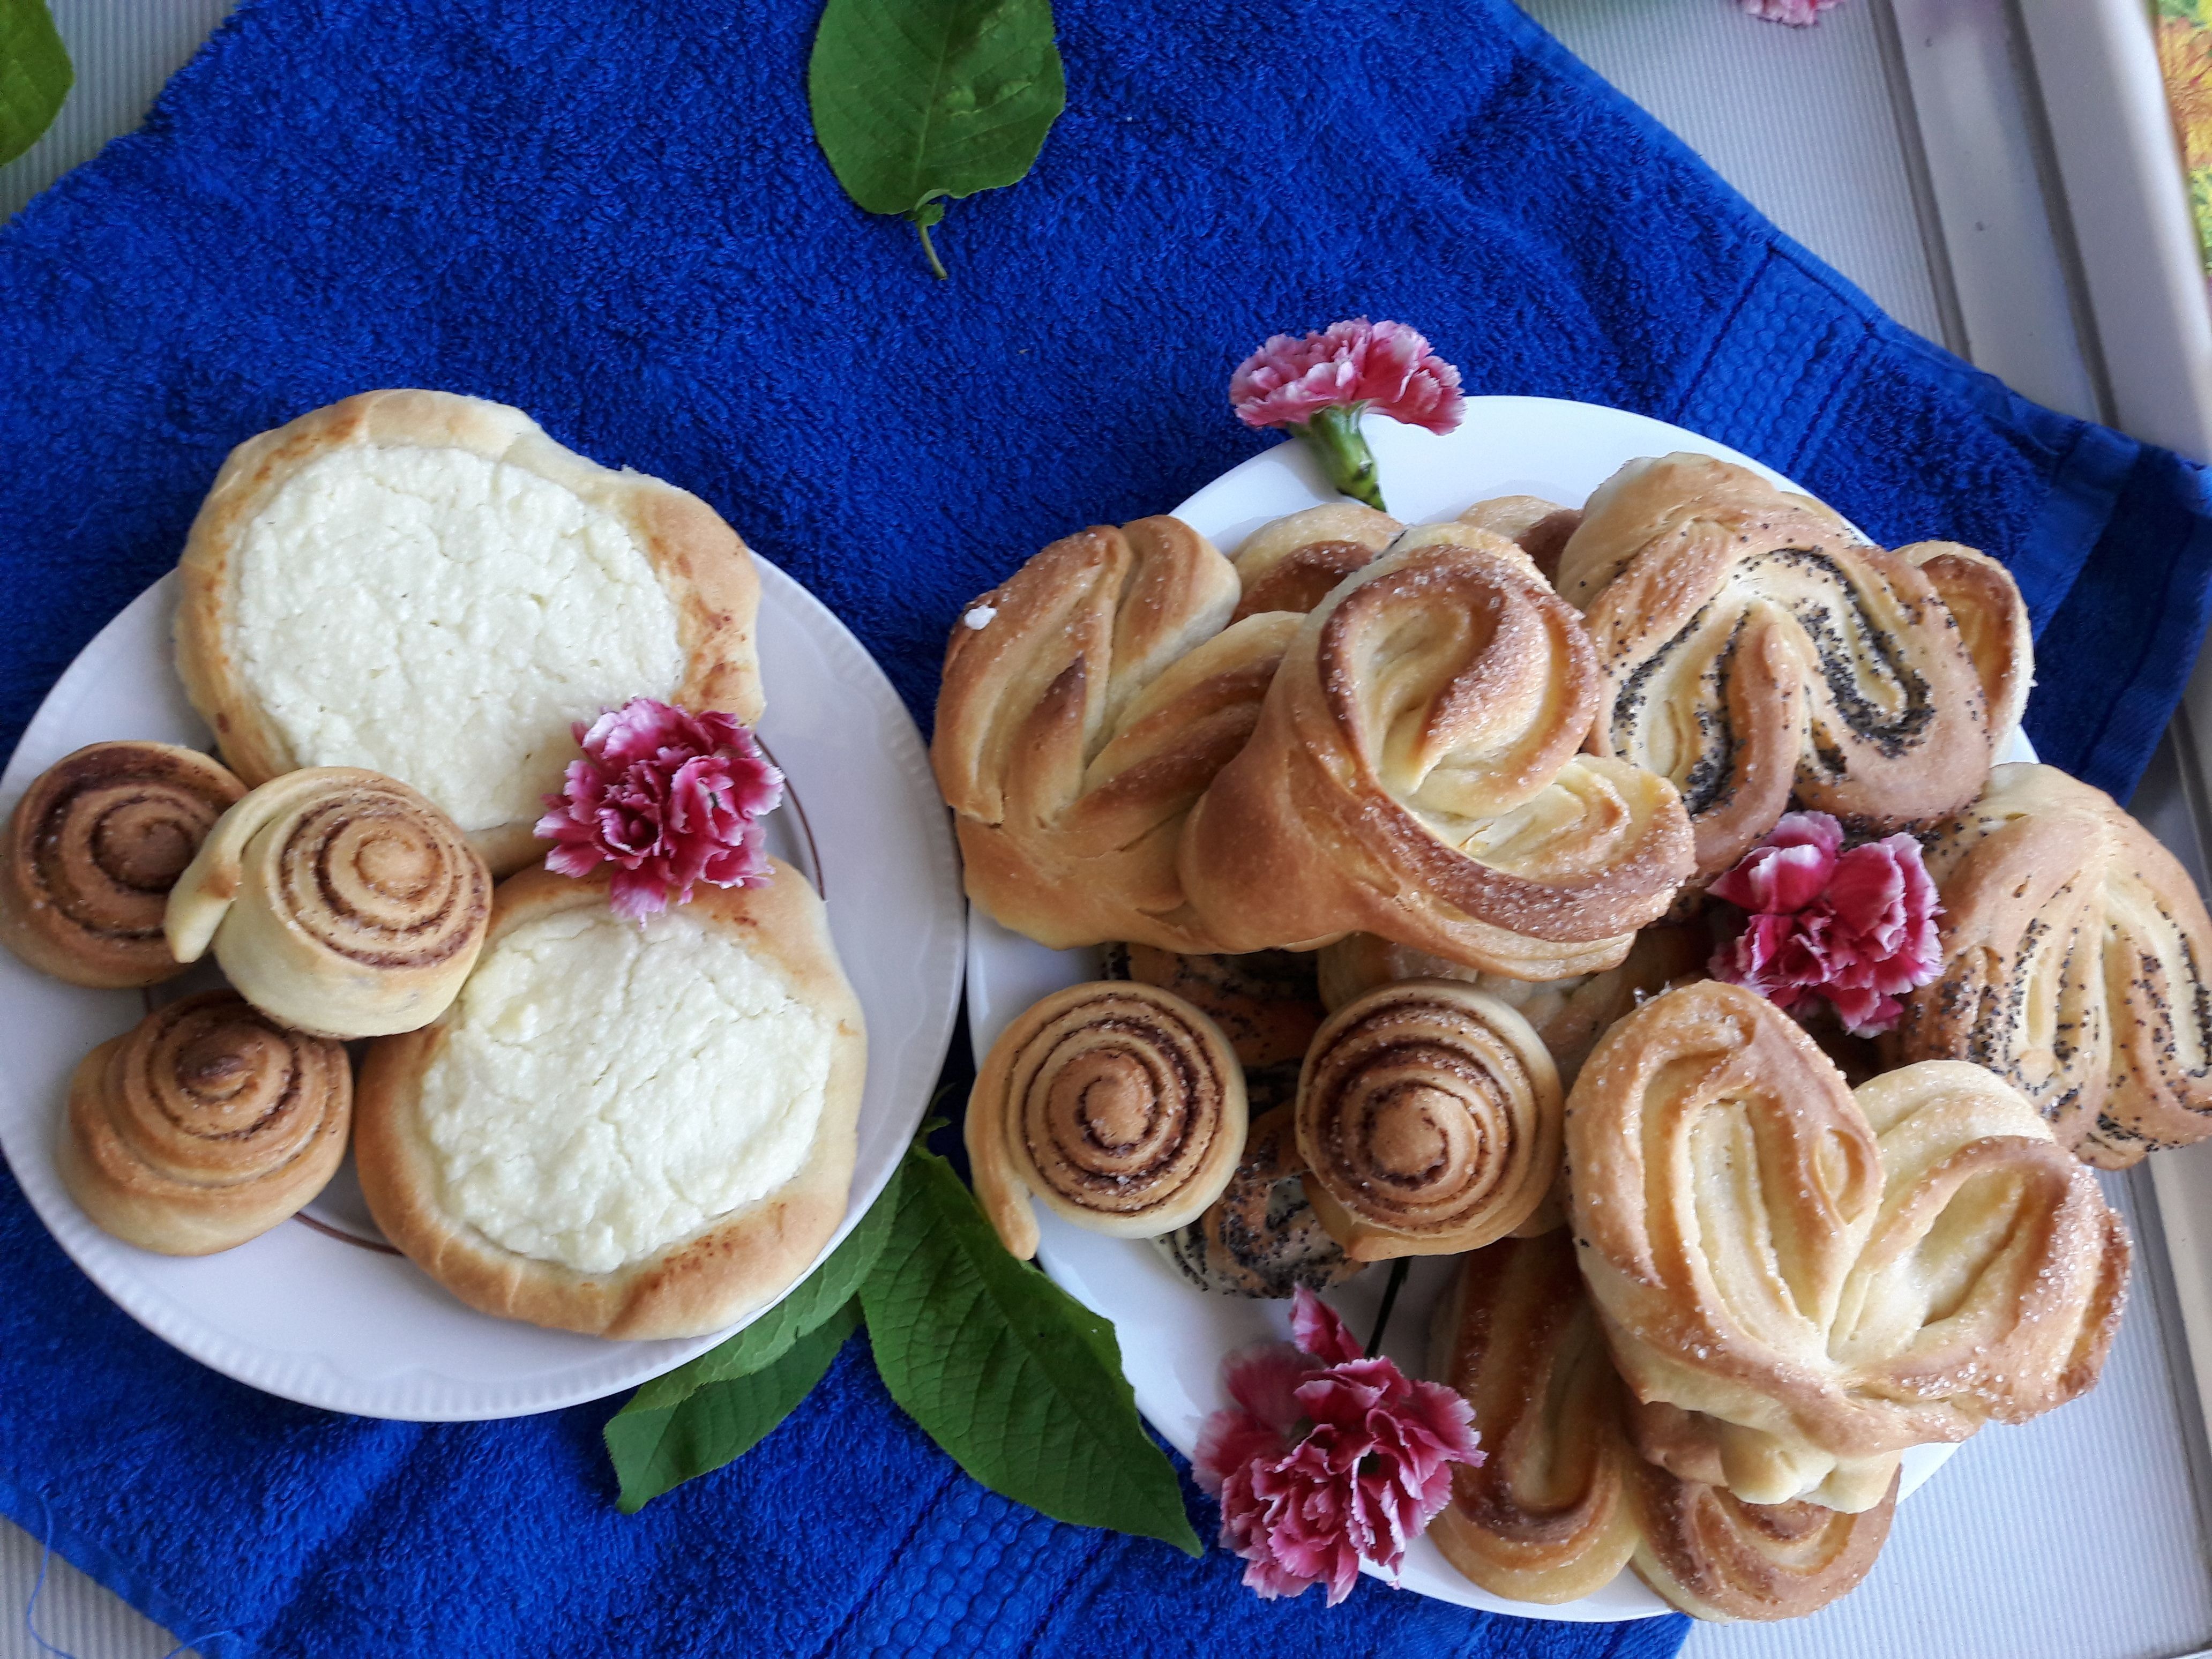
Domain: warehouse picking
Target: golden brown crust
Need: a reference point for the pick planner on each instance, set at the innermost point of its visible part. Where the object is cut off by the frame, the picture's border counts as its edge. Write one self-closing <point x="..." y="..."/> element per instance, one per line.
<point x="1291" y="563"/>
<point x="1758" y="1242"/>
<point x="1414" y="774"/>
<point x="1718" y="1558"/>
<point x="1119" y="1105"/>
<point x="2075" y="950"/>
<point x="1985" y="602"/>
<point x="203" y="1126"/>
<point x="741" y="1261"/>
<point x="1075" y="725"/>
<point x="1751" y="648"/>
<point x="705" y="568"/>
<point x="1539" y="528"/>
<point x="92" y="848"/>
<point x="339" y="902"/>
<point x="1428" y="1117"/>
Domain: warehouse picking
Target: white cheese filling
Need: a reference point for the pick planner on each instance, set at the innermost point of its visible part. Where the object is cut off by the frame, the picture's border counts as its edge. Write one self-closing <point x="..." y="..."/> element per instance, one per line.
<point x="443" y="619"/>
<point x="603" y="1092"/>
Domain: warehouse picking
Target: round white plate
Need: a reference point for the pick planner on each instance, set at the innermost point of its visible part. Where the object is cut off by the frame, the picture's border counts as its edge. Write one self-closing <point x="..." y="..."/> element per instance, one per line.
<point x="321" y="1309"/>
<point x="1174" y="1336"/>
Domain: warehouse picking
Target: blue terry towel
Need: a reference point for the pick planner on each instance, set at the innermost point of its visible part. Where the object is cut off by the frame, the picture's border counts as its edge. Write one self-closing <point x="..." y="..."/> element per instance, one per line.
<point x="615" y="217"/>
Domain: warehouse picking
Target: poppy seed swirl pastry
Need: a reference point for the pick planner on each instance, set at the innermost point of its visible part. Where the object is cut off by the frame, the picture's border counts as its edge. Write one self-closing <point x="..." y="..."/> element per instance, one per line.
<point x="2074" y="949"/>
<point x="1799" y="1283"/>
<point x="1415" y="773"/>
<point x="631" y="1131"/>
<point x="336" y="901"/>
<point x="94" y="847"/>
<point x="1562" y="1502"/>
<point x="1428" y="1117"/>
<point x="428" y="587"/>
<point x="1261" y="1237"/>
<point x="1118" y="1105"/>
<point x="1086" y="702"/>
<point x="204" y="1126"/>
<point x="1751" y="646"/>
<point x="1265" y="1002"/>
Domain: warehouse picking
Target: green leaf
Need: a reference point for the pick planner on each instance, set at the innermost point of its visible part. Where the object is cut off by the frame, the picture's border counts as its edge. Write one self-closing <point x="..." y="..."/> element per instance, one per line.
<point x="917" y="101"/>
<point x="1019" y="1381"/>
<point x="35" y="75"/>
<point x="656" y="1447"/>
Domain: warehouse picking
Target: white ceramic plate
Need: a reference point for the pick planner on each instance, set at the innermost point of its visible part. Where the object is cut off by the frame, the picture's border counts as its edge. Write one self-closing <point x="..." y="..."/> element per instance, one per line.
<point x="321" y="1309"/>
<point x="1173" y="1335"/>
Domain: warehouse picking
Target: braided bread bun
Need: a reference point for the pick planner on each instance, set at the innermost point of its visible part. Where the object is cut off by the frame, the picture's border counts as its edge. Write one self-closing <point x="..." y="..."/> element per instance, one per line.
<point x="1799" y="1283"/>
<point x="2075" y="948"/>
<point x="1075" y="725"/>
<point x="1751" y="646"/>
<point x="93" y="849"/>
<point x="1414" y="774"/>
<point x="338" y="901"/>
<point x="204" y="1126"/>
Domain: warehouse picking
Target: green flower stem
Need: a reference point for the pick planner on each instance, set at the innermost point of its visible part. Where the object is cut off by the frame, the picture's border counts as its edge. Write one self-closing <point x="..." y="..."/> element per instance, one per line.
<point x="1345" y="456"/>
<point x="923" y="221"/>
<point x="1389" y="1301"/>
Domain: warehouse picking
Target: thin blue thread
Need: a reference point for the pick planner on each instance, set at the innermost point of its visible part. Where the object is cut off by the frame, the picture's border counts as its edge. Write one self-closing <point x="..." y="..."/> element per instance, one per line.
<point x="31" y="1607"/>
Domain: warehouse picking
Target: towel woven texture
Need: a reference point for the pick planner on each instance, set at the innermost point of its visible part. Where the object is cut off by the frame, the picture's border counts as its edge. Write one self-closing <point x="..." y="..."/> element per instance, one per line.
<point x="615" y="217"/>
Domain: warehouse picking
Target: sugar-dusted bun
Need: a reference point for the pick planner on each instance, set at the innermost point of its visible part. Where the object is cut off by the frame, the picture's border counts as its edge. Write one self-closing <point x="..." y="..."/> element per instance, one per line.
<point x="94" y="848"/>
<point x="1943" y="1261"/>
<point x="1118" y="1105"/>
<point x="1428" y="1117"/>
<point x="628" y="1131"/>
<point x="338" y="901"/>
<point x="428" y="586"/>
<point x="1261" y="1237"/>
<point x="204" y="1126"/>
<point x="1290" y="563"/>
<point x="2074" y="950"/>
<point x="1415" y="773"/>
<point x="1087" y="701"/>
<point x="1752" y="648"/>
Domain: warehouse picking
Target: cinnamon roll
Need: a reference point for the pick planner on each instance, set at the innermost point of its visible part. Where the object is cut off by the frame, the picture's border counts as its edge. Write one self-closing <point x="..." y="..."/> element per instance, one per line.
<point x="94" y="848"/>
<point x="1261" y="1237"/>
<point x="1751" y="646"/>
<point x="1799" y="1283"/>
<point x="1120" y="1105"/>
<point x="1086" y="702"/>
<point x="204" y="1126"/>
<point x="1291" y="563"/>
<point x="1415" y="773"/>
<point x="338" y="901"/>
<point x="1428" y="1117"/>
<point x="2075" y="950"/>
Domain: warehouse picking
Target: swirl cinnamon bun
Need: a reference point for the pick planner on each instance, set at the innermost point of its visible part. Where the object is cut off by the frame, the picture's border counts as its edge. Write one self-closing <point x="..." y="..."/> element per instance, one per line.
<point x="1751" y="646"/>
<point x="1261" y="1237"/>
<point x="1086" y="702"/>
<point x="2075" y="949"/>
<point x="1415" y="773"/>
<point x="1120" y="1105"/>
<point x="1797" y="1282"/>
<point x="1428" y="1117"/>
<point x="204" y="1126"/>
<point x="339" y="902"/>
<point x="94" y="848"/>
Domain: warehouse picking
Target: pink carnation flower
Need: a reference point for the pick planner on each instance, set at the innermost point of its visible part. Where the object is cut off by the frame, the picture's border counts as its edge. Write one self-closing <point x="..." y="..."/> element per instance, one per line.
<point x="1327" y="1458"/>
<point x="670" y="798"/>
<point x="1386" y="366"/>
<point x="1798" y="14"/>
<point x="1855" y="929"/>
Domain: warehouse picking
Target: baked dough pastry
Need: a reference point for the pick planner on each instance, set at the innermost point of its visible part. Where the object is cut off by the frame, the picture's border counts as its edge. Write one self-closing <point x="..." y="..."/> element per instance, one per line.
<point x="1291" y="563"/>
<point x="1797" y="1282"/>
<point x="94" y="847"/>
<point x="1087" y="701"/>
<point x="204" y="1126"/>
<point x="1993" y="624"/>
<point x="1561" y="1501"/>
<point x="338" y="901"/>
<point x="1262" y="1237"/>
<point x="1120" y="1105"/>
<point x="1265" y="1002"/>
<point x="1428" y="1117"/>
<point x="1415" y="774"/>
<point x="628" y="1131"/>
<point x="1538" y="527"/>
<point x="2075" y="952"/>
<point x="428" y="586"/>
<point x="1751" y="646"/>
